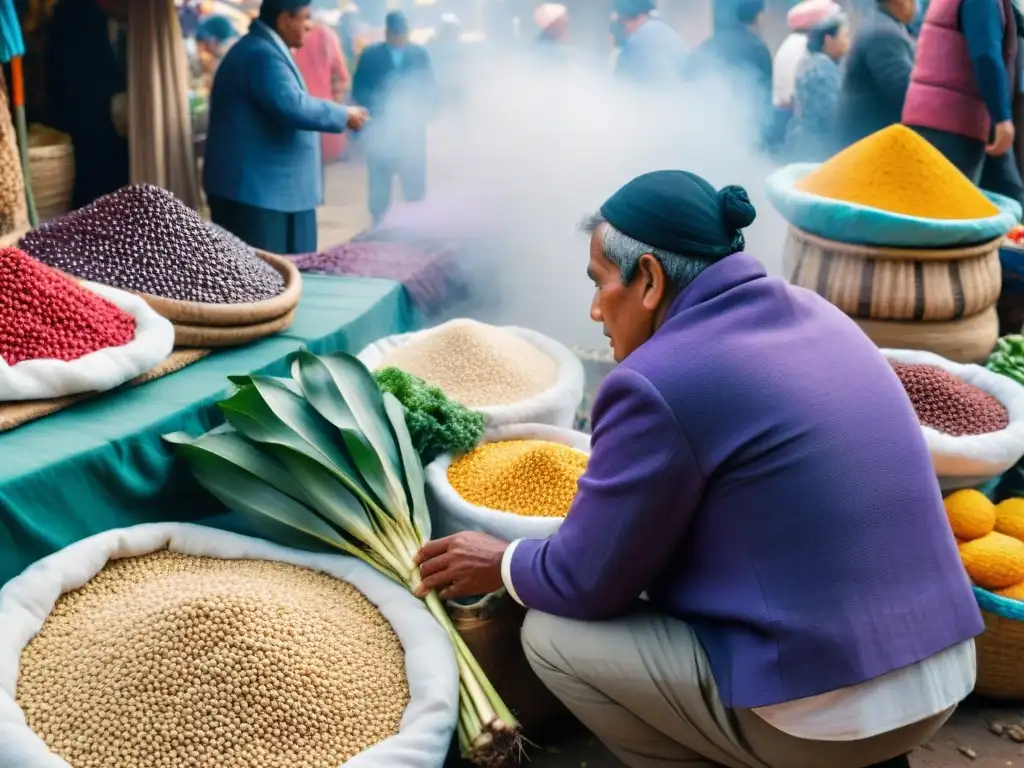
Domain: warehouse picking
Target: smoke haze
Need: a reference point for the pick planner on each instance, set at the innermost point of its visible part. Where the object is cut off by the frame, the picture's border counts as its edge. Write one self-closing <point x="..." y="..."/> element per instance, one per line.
<point x="536" y="146"/>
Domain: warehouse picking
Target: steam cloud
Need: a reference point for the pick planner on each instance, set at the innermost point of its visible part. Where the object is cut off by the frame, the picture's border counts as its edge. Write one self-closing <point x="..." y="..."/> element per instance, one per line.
<point x="537" y="145"/>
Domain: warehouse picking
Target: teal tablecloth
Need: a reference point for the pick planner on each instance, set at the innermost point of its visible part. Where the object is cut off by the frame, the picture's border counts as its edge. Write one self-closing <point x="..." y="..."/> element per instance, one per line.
<point x="101" y="464"/>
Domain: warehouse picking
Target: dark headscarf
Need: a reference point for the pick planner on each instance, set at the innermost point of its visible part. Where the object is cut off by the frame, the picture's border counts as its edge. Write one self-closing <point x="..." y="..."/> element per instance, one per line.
<point x="630" y="9"/>
<point x="679" y="212"/>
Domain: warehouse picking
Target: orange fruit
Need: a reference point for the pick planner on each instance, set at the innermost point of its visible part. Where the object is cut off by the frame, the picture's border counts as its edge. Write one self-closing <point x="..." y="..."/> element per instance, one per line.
<point x="995" y="561"/>
<point x="1010" y="518"/>
<point x="971" y="514"/>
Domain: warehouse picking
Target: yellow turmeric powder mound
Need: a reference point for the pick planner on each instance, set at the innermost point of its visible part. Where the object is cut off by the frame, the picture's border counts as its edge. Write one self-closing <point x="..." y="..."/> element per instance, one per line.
<point x="898" y="171"/>
<point x="994" y="561"/>
<point x="1016" y="592"/>
<point x="971" y="515"/>
<point x="1010" y="518"/>
<point x="535" y="478"/>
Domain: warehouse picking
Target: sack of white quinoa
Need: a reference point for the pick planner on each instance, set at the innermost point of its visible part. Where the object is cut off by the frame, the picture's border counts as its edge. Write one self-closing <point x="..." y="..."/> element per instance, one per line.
<point x="178" y="645"/>
<point x="972" y="418"/>
<point x="517" y="484"/>
<point x="511" y="375"/>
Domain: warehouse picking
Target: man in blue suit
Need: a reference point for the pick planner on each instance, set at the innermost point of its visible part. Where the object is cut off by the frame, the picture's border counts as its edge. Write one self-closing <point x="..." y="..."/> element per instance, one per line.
<point x="262" y="170"/>
<point x="394" y="80"/>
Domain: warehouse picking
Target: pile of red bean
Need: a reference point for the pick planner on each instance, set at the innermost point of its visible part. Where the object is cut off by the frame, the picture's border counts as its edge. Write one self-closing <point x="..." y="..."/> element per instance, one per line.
<point x="44" y="315"/>
<point x="948" y="404"/>
<point x="142" y="238"/>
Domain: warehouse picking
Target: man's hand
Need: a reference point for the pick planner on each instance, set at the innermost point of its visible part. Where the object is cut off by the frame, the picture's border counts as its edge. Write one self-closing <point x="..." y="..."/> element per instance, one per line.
<point x="357" y="118"/>
<point x="464" y="565"/>
<point x="1002" y="140"/>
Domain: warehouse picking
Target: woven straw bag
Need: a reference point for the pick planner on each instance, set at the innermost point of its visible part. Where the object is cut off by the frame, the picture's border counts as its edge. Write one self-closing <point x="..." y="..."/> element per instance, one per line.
<point x="1000" y="648"/>
<point x="52" y="165"/>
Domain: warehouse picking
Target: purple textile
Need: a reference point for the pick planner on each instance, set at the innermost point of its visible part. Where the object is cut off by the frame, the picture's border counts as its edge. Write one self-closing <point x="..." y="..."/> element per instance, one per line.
<point x="758" y="469"/>
<point x="431" y="277"/>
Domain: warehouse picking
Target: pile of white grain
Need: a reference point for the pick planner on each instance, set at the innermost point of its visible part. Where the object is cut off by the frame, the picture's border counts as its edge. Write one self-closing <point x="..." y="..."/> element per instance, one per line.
<point x="172" y="661"/>
<point x="476" y="364"/>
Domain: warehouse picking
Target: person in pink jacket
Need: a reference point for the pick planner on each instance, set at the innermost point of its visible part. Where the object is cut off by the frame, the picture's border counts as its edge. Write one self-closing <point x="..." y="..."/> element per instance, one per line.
<point x="322" y="64"/>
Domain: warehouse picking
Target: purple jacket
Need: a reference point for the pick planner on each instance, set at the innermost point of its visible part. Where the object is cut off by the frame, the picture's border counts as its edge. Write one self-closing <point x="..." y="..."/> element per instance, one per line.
<point x="758" y="469"/>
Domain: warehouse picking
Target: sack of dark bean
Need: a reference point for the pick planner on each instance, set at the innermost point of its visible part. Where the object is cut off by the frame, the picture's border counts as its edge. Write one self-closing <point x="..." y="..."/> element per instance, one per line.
<point x="972" y="418"/>
<point x="142" y="238"/>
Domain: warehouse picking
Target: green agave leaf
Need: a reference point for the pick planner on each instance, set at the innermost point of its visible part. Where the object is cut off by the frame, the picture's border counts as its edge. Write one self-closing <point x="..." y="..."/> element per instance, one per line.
<point x="329" y="496"/>
<point x="267" y="412"/>
<point x="323" y="394"/>
<point x="344" y="392"/>
<point x="414" y="479"/>
<point x="243" y="380"/>
<point x="240" y="489"/>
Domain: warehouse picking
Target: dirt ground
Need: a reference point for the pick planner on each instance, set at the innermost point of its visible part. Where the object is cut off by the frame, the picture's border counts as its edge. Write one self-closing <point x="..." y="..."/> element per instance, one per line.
<point x="966" y="740"/>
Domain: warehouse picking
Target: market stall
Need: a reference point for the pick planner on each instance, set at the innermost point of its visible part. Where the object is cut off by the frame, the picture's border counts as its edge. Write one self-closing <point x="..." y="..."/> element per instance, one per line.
<point x="101" y="464"/>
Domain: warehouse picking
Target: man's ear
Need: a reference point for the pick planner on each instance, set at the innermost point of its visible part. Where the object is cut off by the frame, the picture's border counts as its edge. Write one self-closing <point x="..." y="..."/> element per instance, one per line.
<point x="652" y="277"/>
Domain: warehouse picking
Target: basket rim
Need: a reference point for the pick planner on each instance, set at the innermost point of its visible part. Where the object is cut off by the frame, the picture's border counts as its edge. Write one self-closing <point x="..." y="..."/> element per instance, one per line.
<point x="1005" y="607"/>
<point x="887" y="253"/>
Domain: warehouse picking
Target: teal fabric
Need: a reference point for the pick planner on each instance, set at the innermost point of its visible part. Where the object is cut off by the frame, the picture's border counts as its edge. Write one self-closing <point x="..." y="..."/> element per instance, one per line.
<point x="101" y="464"/>
<point x="858" y="224"/>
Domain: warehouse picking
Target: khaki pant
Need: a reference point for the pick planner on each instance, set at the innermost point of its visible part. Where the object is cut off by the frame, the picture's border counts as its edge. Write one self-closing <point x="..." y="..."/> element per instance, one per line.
<point x="642" y="684"/>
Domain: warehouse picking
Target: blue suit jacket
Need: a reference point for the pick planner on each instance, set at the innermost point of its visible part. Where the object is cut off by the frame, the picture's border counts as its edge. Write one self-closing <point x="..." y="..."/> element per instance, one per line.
<point x="262" y="146"/>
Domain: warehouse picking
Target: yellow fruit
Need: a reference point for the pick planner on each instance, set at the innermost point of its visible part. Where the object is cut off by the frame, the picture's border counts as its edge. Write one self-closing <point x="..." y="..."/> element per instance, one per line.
<point x="1010" y="518"/>
<point x="994" y="561"/>
<point x="971" y="515"/>
<point x="1016" y="592"/>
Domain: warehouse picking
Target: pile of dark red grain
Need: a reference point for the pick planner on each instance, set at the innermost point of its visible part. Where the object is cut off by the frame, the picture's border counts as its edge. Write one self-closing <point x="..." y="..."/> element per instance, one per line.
<point x="45" y="315"/>
<point x="948" y="404"/>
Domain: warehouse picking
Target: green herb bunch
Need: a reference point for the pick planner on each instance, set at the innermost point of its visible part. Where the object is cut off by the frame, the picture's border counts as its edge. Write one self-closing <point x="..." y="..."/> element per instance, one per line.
<point x="1008" y="358"/>
<point x="436" y="424"/>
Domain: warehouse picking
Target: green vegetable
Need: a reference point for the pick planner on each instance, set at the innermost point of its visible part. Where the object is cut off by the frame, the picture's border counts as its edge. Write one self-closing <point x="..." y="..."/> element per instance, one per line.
<point x="436" y="424"/>
<point x="1008" y="358"/>
<point x="326" y="458"/>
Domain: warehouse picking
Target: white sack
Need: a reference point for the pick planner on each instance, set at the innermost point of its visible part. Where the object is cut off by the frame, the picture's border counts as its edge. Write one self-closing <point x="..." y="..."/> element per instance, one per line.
<point x="25" y="602"/>
<point x="450" y="513"/>
<point x="98" y="371"/>
<point x="972" y="459"/>
<point x="556" y="406"/>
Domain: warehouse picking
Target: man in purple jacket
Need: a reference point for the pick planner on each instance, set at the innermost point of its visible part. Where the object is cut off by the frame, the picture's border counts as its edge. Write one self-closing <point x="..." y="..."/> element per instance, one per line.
<point x="758" y="472"/>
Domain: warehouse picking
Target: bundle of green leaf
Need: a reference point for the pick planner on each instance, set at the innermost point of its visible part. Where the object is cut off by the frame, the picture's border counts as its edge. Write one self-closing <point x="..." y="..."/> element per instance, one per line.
<point x="1008" y="358"/>
<point x="324" y="458"/>
<point x="436" y="424"/>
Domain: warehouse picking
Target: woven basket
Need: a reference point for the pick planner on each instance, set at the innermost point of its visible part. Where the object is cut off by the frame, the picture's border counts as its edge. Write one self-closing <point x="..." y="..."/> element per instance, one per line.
<point x="217" y="336"/>
<point x="970" y="340"/>
<point x="233" y="315"/>
<point x="896" y="283"/>
<point x="52" y="164"/>
<point x="490" y="629"/>
<point x="1000" y="648"/>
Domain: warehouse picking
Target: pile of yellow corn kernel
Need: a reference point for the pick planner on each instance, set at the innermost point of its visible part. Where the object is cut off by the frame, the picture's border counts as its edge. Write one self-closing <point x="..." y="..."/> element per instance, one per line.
<point x="534" y="478"/>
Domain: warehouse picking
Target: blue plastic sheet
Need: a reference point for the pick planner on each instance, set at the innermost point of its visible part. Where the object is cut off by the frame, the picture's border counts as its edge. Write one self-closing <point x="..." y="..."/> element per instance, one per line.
<point x="861" y="225"/>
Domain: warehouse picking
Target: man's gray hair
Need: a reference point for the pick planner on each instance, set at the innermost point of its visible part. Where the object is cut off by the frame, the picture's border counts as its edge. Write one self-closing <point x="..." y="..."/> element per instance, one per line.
<point x="625" y="252"/>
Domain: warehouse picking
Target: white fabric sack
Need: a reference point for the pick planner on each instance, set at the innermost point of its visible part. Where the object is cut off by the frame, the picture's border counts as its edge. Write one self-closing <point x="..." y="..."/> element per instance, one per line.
<point x="100" y="370"/>
<point x="25" y="602"/>
<point x="555" y="406"/>
<point x="972" y="459"/>
<point x="450" y="513"/>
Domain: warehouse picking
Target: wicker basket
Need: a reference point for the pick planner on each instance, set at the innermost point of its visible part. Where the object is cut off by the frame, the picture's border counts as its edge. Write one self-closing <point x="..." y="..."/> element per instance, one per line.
<point x="896" y="283"/>
<point x="1000" y="648"/>
<point x="52" y="163"/>
<point x="217" y="336"/>
<point x="232" y="315"/>
<point x="970" y="340"/>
